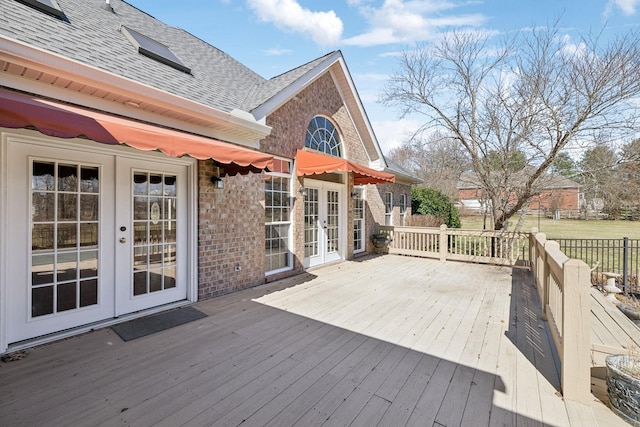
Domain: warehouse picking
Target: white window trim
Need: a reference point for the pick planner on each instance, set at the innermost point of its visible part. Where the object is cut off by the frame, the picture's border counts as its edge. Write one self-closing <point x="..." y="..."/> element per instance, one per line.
<point x="363" y="239"/>
<point x="290" y="222"/>
<point x="390" y="213"/>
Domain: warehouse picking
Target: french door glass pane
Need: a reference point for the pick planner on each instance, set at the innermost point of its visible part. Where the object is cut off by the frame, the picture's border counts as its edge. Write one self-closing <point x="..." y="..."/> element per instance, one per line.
<point x="332" y="221"/>
<point x="154" y="232"/>
<point x="311" y="212"/>
<point x="65" y="214"/>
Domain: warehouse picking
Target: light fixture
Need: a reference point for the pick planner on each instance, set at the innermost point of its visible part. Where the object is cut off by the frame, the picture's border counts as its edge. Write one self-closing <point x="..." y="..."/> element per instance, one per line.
<point x="354" y="194"/>
<point x="217" y="182"/>
<point x="303" y="191"/>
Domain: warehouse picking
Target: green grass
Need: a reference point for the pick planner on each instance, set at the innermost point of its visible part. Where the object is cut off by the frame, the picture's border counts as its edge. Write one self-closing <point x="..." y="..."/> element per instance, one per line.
<point x="569" y="228"/>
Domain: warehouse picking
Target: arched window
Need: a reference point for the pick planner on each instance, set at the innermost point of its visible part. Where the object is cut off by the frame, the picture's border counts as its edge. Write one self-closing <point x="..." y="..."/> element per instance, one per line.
<point x="323" y="136"/>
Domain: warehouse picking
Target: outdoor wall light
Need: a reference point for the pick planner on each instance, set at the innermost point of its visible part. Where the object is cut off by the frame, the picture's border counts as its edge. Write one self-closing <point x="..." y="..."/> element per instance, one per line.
<point x="217" y="182"/>
<point x="303" y="191"/>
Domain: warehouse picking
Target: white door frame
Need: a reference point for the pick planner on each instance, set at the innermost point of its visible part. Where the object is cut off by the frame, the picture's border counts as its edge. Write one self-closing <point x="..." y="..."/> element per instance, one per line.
<point x="323" y="187"/>
<point x="23" y="136"/>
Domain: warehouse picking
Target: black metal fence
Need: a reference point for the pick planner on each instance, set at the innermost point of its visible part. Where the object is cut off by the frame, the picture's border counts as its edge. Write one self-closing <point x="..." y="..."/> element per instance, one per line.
<point x="610" y="255"/>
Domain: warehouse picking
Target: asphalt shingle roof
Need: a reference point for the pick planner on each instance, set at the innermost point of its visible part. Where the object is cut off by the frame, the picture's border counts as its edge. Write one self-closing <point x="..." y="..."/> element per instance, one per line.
<point x="269" y="88"/>
<point x="92" y="36"/>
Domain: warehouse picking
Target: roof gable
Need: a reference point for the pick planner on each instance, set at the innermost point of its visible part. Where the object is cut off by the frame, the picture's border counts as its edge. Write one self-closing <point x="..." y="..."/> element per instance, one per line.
<point x="283" y="88"/>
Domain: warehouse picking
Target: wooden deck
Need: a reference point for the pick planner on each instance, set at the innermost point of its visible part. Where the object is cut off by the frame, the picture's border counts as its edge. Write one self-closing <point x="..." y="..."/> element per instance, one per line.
<point x="611" y="333"/>
<point x="389" y="341"/>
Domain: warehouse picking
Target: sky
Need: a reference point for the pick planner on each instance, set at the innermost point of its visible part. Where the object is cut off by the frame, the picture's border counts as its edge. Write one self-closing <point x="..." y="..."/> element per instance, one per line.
<point x="274" y="36"/>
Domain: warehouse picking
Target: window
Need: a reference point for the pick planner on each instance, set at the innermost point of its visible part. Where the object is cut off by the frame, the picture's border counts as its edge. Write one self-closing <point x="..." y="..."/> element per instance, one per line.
<point x="154" y="50"/>
<point x="388" y="208"/>
<point x="358" y="220"/>
<point x="322" y="136"/>
<point x="403" y="208"/>
<point x="277" y="196"/>
<point x="49" y="7"/>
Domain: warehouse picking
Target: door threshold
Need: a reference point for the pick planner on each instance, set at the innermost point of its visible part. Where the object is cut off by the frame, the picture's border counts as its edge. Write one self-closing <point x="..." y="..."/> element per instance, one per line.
<point x="68" y="333"/>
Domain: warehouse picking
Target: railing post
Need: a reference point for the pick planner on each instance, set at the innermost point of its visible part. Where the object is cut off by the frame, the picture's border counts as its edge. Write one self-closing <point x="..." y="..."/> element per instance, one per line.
<point x="546" y="275"/>
<point x="576" y="333"/>
<point x="625" y="265"/>
<point x="443" y="242"/>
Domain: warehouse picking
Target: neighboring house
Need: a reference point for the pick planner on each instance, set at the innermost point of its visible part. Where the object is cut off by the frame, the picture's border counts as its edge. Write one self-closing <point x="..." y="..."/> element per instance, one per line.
<point x="556" y="194"/>
<point x="143" y="168"/>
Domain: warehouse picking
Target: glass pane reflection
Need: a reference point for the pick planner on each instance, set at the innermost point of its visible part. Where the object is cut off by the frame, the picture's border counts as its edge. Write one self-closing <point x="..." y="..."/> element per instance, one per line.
<point x="89" y="207"/>
<point x="66" y="296"/>
<point x="67" y="178"/>
<point x="88" y="292"/>
<point x="67" y="236"/>
<point x="67" y="266"/>
<point x="41" y="301"/>
<point x="89" y="235"/>
<point x="43" y="207"/>
<point x="89" y="180"/>
<point x="88" y="264"/>
<point x="42" y="176"/>
<point x="42" y="236"/>
<point x="67" y="207"/>
<point x="41" y="269"/>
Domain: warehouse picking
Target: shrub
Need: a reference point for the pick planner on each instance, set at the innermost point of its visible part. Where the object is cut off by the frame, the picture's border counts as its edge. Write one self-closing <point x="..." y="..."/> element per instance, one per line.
<point x="428" y="201"/>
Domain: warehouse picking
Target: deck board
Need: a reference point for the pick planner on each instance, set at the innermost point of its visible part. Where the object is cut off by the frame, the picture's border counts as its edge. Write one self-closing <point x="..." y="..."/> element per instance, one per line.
<point x="611" y="333"/>
<point x="387" y="341"/>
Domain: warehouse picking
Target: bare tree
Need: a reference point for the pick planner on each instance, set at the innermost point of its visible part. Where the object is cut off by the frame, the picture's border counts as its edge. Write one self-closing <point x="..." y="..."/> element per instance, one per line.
<point x="531" y="93"/>
<point x="436" y="159"/>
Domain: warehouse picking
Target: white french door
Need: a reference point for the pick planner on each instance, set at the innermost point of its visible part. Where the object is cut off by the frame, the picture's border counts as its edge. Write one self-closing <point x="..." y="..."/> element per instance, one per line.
<point x="150" y="229"/>
<point x="57" y="246"/>
<point x="90" y="236"/>
<point x="324" y="219"/>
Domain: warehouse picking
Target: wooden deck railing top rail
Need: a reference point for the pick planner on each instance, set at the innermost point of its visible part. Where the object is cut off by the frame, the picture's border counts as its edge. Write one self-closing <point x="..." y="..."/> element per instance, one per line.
<point x="491" y="247"/>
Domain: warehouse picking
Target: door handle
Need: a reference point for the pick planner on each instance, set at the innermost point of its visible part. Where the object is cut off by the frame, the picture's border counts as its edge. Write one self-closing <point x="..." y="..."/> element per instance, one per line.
<point x="123" y="240"/>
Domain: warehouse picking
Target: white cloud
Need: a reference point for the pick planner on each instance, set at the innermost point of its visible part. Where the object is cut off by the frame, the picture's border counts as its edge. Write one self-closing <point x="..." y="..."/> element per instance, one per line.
<point x="628" y="7"/>
<point x="400" y="21"/>
<point x="324" y="28"/>
<point x="277" y="52"/>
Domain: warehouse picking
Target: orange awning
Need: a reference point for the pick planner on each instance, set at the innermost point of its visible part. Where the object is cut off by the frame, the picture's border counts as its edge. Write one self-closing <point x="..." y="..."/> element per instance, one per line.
<point x="308" y="163"/>
<point x="66" y="121"/>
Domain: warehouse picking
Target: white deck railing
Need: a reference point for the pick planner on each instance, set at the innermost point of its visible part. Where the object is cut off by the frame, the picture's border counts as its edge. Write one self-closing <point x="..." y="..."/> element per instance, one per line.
<point x="562" y="283"/>
<point x="490" y="247"/>
<point x="564" y="287"/>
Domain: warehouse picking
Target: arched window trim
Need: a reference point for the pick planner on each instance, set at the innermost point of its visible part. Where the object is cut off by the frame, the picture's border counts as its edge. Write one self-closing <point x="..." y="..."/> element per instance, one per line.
<point x="323" y="136"/>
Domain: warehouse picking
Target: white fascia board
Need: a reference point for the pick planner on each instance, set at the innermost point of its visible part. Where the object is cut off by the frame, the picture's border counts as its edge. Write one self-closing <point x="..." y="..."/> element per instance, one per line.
<point x="39" y="59"/>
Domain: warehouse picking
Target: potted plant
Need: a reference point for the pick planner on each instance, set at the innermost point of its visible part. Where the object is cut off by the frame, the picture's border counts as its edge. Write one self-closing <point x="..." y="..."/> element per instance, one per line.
<point x="623" y="386"/>
<point x="380" y="239"/>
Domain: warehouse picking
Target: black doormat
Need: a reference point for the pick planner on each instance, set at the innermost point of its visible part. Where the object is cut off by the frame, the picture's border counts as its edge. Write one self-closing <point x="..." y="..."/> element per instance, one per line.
<point x="156" y="322"/>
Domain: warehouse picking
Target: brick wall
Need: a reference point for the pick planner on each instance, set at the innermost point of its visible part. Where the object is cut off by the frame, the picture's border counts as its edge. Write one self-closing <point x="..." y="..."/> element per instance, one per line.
<point x="289" y="123"/>
<point x="230" y="232"/>
<point x="231" y="220"/>
<point x="563" y="199"/>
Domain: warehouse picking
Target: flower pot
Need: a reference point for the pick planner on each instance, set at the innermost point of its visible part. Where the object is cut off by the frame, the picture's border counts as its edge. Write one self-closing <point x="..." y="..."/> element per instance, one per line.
<point x="380" y="242"/>
<point x="624" y="389"/>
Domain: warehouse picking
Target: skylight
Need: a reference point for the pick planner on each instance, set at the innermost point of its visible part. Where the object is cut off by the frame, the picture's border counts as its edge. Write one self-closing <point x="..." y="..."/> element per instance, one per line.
<point x="154" y="50"/>
<point x="50" y="7"/>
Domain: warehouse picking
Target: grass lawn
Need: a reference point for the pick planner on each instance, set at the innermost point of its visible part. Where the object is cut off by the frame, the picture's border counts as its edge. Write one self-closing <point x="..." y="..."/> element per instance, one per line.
<point x="569" y="228"/>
